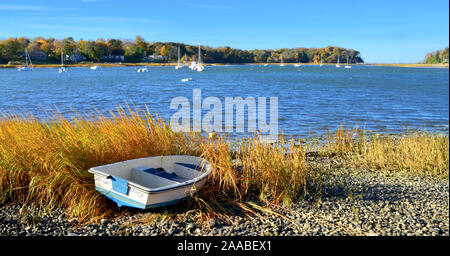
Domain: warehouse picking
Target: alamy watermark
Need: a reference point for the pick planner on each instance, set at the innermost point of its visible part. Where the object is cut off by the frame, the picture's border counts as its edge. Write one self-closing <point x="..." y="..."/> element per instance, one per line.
<point x="212" y="120"/>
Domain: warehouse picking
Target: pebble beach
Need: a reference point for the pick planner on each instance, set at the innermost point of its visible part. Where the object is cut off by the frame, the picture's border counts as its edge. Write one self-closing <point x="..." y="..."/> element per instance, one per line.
<point x="363" y="203"/>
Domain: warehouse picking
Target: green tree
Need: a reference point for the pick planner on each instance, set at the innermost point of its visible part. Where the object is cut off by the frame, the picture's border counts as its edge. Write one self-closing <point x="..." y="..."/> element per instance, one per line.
<point x="12" y="49"/>
<point x="115" y="47"/>
<point x="68" y="45"/>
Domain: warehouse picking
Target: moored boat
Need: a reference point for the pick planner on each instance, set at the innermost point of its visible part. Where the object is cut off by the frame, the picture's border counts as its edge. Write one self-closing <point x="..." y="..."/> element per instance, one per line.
<point x="152" y="181"/>
<point x="282" y="63"/>
<point x="200" y="66"/>
<point x="178" y="66"/>
<point x="337" y="65"/>
<point x="347" y="66"/>
<point x="62" y="68"/>
<point x="26" y="67"/>
<point x="142" y="70"/>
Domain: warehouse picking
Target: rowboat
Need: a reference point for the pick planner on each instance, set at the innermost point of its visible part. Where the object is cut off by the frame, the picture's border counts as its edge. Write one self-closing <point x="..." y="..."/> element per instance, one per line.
<point x="152" y="181"/>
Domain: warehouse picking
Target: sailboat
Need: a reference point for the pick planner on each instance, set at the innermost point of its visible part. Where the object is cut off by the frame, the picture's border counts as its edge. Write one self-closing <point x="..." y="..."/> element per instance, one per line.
<point x="199" y="64"/>
<point x="321" y="62"/>
<point x="178" y="64"/>
<point x="193" y="65"/>
<point x="26" y="67"/>
<point x="297" y="64"/>
<point x="185" y="60"/>
<point x="337" y="65"/>
<point x="282" y="64"/>
<point x="347" y="66"/>
<point x="62" y="68"/>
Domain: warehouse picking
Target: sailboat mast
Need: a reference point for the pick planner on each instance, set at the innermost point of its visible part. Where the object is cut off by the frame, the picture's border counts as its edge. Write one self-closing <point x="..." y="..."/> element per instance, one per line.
<point x="199" y="55"/>
<point x="178" y="55"/>
<point x="62" y="61"/>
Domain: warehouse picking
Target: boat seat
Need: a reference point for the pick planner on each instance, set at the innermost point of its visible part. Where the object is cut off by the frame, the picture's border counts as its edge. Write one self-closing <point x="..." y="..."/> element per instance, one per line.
<point x="192" y="166"/>
<point x="160" y="172"/>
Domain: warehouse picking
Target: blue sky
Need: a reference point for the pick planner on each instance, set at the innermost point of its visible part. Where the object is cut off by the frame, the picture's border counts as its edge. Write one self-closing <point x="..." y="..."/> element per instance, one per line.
<point x="383" y="31"/>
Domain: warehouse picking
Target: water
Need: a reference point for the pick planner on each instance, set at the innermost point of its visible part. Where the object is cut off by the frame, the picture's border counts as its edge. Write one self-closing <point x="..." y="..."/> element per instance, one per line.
<point x="311" y="98"/>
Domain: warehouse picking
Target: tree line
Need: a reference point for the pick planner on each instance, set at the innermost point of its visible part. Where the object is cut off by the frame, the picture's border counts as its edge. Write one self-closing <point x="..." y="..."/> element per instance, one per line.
<point x="439" y="56"/>
<point x="48" y="50"/>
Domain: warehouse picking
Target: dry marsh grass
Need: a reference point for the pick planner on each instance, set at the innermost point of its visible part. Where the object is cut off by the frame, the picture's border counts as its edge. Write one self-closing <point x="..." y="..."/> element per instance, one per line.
<point x="46" y="162"/>
<point x="412" y="152"/>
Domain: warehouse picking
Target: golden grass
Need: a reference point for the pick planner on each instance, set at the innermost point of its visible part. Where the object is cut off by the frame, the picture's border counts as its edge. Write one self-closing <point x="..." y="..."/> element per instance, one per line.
<point x="272" y="173"/>
<point x="46" y="162"/>
<point x="413" y="152"/>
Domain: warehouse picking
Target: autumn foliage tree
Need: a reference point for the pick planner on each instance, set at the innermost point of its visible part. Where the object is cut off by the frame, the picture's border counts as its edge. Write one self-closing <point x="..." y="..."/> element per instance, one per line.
<point x="12" y="49"/>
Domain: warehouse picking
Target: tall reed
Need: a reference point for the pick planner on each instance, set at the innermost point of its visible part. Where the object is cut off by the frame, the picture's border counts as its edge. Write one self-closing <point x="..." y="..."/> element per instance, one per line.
<point x="416" y="152"/>
<point x="273" y="173"/>
<point x="47" y="162"/>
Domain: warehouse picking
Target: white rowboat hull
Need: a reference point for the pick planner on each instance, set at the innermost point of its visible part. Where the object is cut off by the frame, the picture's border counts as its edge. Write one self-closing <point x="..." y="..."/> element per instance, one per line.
<point x="151" y="182"/>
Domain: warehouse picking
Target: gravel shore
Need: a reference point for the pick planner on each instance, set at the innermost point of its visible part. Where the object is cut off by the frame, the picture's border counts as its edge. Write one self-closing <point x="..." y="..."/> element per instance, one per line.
<point x="361" y="203"/>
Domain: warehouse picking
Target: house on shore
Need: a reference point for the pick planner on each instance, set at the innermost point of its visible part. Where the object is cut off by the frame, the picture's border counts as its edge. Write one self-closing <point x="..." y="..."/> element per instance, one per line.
<point x="113" y="58"/>
<point x="75" y="57"/>
<point x="154" y="58"/>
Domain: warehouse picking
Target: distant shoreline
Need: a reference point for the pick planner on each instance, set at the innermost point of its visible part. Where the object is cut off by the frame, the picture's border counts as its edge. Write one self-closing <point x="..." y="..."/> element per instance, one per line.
<point x="219" y="64"/>
<point x="411" y="65"/>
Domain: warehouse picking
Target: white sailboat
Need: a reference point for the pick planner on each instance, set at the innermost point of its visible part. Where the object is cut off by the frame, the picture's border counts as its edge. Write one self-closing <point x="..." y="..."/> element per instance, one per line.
<point x="62" y="68"/>
<point x="337" y="65"/>
<point x="185" y="60"/>
<point x="297" y="64"/>
<point x="26" y="67"/>
<point x="178" y="64"/>
<point x="282" y="63"/>
<point x="347" y="66"/>
<point x="321" y="62"/>
<point x="142" y="70"/>
<point x="199" y="64"/>
<point x="193" y="65"/>
<point x="95" y="67"/>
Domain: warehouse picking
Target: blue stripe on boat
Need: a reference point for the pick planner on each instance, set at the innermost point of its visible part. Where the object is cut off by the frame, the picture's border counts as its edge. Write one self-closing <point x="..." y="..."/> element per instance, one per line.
<point x="192" y="166"/>
<point x="119" y="185"/>
<point x="161" y="173"/>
